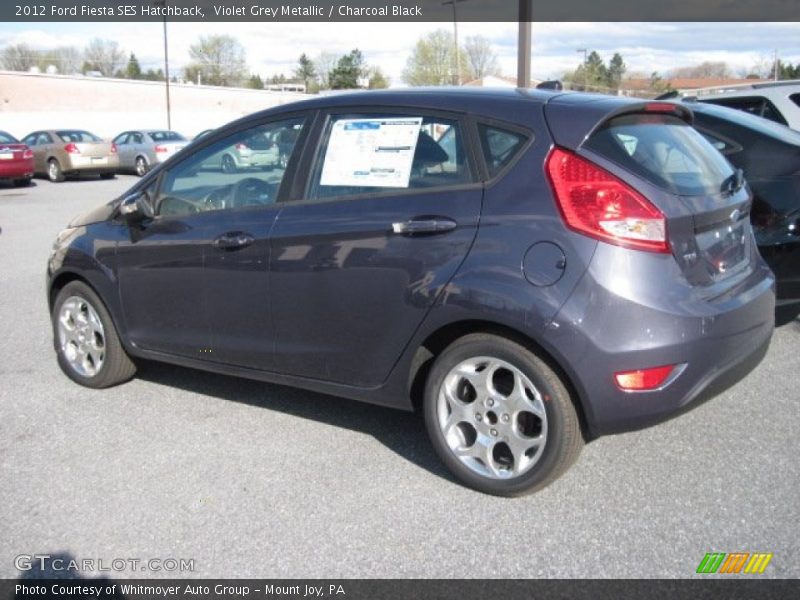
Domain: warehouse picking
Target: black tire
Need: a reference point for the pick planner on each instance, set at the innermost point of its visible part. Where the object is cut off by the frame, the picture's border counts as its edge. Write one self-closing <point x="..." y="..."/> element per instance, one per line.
<point x="141" y="167"/>
<point x="22" y="182"/>
<point x="563" y="440"/>
<point x="54" y="172"/>
<point x="786" y="314"/>
<point x="107" y="175"/>
<point x="227" y="164"/>
<point x="116" y="366"/>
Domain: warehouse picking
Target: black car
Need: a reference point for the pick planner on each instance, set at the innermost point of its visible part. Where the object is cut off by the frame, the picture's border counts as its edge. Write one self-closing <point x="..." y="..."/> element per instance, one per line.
<point x="522" y="266"/>
<point x="769" y="156"/>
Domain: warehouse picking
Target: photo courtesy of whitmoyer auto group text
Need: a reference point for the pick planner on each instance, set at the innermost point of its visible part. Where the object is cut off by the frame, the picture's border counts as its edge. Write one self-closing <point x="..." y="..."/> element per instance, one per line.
<point x="413" y="299"/>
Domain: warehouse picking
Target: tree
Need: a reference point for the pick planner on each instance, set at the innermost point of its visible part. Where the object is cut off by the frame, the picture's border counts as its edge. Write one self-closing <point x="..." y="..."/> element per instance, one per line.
<point x="104" y="56"/>
<point x="133" y="70"/>
<point x="481" y="59"/>
<point x="218" y="59"/>
<point x="432" y="61"/>
<point x="377" y="80"/>
<point x="348" y="71"/>
<point x="705" y="70"/>
<point x="255" y="82"/>
<point x="616" y="70"/>
<point x="19" y="57"/>
<point x="305" y="71"/>
<point x="65" y="59"/>
<point x="152" y="75"/>
<point x="324" y="63"/>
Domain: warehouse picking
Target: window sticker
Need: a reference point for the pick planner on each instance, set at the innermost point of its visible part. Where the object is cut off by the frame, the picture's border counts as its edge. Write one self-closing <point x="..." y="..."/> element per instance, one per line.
<point x="371" y="152"/>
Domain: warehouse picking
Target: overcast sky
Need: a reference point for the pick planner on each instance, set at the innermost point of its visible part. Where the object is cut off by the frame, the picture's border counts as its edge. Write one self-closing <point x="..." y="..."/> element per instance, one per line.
<point x="273" y="48"/>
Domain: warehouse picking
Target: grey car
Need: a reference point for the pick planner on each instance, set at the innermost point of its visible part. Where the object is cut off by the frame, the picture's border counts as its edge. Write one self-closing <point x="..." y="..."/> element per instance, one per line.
<point x="142" y="149"/>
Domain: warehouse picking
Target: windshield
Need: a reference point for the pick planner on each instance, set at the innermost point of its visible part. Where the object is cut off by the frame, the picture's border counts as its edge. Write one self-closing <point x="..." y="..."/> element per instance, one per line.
<point x="664" y="150"/>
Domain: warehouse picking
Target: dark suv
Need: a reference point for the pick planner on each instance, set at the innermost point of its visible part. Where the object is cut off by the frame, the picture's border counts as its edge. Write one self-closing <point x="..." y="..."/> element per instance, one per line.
<point x="531" y="269"/>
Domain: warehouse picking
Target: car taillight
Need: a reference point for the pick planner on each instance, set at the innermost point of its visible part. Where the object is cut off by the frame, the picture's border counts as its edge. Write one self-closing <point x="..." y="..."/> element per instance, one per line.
<point x="113" y="148"/>
<point x="71" y="148"/>
<point x="596" y="203"/>
<point x="242" y="147"/>
<point x="160" y="149"/>
<point x="643" y="379"/>
<point x="27" y="154"/>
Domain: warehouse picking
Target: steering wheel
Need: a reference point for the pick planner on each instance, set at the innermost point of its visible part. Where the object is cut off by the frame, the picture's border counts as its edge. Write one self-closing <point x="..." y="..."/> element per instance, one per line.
<point x="216" y="199"/>
<point x="250" y="191"/>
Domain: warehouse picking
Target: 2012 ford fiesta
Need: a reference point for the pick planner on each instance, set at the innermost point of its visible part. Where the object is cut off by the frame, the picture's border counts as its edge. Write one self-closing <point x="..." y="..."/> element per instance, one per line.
<point x="532" y="269"/>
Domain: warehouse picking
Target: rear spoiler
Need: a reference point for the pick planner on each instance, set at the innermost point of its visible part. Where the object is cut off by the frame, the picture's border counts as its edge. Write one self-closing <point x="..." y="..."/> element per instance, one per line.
<point x="573" y="118"/>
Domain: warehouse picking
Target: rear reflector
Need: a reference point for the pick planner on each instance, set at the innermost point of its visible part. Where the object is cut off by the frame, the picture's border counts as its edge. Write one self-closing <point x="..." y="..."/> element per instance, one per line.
<point x="596" y="203"/>
<point x="643" y="379"/>
<point x="71" y="148"/>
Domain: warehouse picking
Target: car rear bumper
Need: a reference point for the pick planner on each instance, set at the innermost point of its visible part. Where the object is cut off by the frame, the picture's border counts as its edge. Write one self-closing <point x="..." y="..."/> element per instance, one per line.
<point x="604" y="329"/>
<point x="91" y="164"/>
<point x="16" y="169"/>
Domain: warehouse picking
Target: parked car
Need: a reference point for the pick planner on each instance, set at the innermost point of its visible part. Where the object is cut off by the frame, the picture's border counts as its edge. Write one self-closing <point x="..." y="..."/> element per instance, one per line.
<point x="254" y="151"/>
<point x="16" y="160"/>
<point x="769" y="156"/>
<point x="140" y="150"/>
<point x="557" y="283"/>
<point x="58" y="153"/>
<point x="777" y="101"/>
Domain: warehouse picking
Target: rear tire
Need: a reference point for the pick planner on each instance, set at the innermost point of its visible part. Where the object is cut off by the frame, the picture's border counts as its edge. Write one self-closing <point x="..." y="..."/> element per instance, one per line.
<point x="86" y="342"/>
<point x="499" y="417"/>
<point x="54" y="172"/>
<point x="141" y="166"/>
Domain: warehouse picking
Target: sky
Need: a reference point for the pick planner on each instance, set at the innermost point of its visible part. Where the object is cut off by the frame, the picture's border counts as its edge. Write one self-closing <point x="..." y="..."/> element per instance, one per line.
<point x="273" y="48"/>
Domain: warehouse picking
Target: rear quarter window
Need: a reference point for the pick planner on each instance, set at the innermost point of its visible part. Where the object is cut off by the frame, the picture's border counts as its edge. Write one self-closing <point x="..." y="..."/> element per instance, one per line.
<point x="665" y="151"/>
<point x="500" y="147"/>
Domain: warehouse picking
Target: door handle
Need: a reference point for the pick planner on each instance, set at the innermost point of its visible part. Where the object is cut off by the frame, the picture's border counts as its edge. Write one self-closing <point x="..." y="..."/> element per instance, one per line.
<point x="427" y="225"/>
<point x="233" y="240"/>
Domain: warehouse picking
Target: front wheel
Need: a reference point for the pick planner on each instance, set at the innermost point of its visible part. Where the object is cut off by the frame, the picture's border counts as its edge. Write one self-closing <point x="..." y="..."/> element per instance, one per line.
<point x="86" y="342"/>
<point x="499" y="417"/>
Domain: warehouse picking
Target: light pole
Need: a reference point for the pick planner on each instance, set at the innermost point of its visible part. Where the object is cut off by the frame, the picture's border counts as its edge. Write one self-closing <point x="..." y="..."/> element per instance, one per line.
<point x="455" y="35"/>
<point x="163" y="4"/>
<point x="585" y="59"/>
<point x="524" y="44"/>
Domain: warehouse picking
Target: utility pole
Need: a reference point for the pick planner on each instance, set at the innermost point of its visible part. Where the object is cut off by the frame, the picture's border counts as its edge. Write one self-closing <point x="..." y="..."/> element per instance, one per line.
<point x="455" y="36"/>
<point x="163" y="3"/>
<point x="775" y="66"/>
<point x="524" y="44"/>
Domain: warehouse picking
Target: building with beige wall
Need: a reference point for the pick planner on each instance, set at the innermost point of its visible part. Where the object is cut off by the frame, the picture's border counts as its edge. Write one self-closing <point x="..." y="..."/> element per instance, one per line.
<point x="30" y="101"/>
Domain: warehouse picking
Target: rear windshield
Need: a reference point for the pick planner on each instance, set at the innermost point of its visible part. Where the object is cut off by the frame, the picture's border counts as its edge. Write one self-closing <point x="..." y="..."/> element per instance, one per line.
<point x="664" y="150"/>
<point x="166" y="136"/>
<point x="6" y="138"/>
<point x="77" y="136"/>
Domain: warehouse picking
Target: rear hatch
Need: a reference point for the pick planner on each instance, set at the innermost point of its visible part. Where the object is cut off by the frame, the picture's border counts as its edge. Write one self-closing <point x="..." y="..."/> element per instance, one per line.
<point x="652" y="148"/>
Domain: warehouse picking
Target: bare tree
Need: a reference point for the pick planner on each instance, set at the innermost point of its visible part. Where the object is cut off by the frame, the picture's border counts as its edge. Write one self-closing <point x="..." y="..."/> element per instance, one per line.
<point x="104" y="56"/>
<point x="219" y="59"/>
<point x="66" y="59"/>
<point x="432" y="61"/>
<point x="324" y="63"/>
<point x="481" y="58"/>
<point x="705" y="69"/>
<point x="19" y="57"/>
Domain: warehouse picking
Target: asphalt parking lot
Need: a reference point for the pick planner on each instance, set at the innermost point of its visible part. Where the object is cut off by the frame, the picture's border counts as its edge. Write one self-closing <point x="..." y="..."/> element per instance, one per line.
<point x="250" y="479"/>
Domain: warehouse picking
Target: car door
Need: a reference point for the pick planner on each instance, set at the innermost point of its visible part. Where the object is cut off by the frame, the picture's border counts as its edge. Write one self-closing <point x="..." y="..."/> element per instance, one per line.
<point x="363" y="252"/>
<point x="122" y="142"/>
<point x="193" y="280"/>
<point x="32" y="141"/>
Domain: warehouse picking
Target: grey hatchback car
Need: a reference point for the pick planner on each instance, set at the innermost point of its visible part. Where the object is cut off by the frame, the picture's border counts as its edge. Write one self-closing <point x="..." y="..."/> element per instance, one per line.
<point x="529" y="269"/>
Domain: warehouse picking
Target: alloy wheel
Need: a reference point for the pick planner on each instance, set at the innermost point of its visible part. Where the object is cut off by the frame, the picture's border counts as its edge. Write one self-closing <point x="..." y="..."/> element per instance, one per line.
<point x="81" y="336"/>
<point x="492" y="417"/>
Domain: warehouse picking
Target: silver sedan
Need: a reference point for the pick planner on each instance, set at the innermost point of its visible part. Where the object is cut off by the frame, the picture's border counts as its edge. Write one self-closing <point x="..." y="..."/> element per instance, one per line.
<point x="140" y="150"/>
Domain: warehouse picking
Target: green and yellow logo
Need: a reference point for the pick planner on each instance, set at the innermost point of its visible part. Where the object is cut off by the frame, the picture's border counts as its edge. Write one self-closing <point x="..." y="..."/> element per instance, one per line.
<point x="733" y="563"/>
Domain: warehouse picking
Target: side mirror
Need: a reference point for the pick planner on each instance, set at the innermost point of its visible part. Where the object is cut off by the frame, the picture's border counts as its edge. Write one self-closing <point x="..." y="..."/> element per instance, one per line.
<point x="136" y="207"/>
